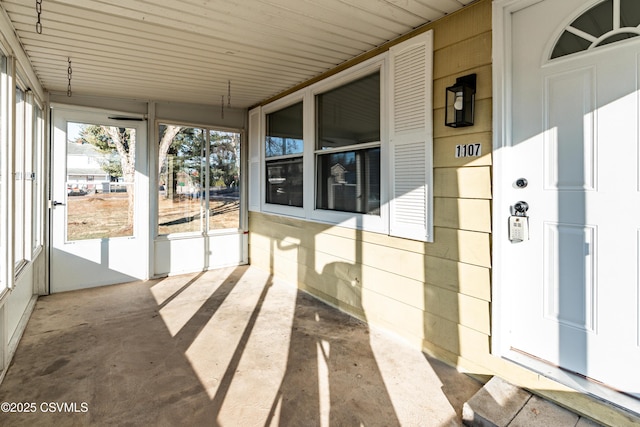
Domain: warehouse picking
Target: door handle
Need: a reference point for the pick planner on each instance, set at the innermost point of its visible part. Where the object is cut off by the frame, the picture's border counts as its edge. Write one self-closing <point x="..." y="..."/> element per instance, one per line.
<point x="56" y="203"/>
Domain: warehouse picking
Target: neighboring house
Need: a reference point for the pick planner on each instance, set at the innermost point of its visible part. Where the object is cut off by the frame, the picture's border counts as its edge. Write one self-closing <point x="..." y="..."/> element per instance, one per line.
<point x="84" y="172"/>
<point x="383" y="211"/>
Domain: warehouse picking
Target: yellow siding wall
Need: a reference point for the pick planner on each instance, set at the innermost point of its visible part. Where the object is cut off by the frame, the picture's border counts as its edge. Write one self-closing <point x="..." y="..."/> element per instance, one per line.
<point x="458" y="317"/>
<point x="436" y="295"/>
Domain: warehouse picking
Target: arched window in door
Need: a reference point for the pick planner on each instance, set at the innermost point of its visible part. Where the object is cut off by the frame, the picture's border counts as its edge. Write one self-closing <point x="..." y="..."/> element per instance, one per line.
<point x="607" y="22"/>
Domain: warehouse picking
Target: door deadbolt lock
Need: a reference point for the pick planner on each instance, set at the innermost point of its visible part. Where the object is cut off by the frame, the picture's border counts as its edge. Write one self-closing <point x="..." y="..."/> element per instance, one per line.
<point x="521" y="208"/>
<point x="521" y="183"/>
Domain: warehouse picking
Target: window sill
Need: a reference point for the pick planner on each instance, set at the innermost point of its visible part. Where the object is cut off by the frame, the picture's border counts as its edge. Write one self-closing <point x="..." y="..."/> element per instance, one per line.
<point x="198" y="234"/>
<point x="293" y="211"/>
<point x="357" y="221"/>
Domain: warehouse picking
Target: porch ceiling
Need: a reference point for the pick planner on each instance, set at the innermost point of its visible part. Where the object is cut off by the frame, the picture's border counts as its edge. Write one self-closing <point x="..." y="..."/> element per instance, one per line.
<point x="188" y="50"/>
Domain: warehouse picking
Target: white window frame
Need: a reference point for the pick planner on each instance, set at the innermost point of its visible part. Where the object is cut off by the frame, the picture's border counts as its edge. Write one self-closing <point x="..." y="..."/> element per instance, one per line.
<point x="6" y="185"/>
<point x="376" y="223"/>
<point x="29" y="135"/>
<point x="203" y="215"/>
<point x="38" y="182"/>
<point x="19" y="206"/>
<point x="416" y="227"/>
<point x="29" y="150"/>
<point x="274" y="208"/>
<point x="204" y="218"/>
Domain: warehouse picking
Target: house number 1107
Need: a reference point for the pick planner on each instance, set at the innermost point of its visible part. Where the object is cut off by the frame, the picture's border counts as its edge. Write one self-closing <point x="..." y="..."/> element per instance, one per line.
<point x="469" y="150"/>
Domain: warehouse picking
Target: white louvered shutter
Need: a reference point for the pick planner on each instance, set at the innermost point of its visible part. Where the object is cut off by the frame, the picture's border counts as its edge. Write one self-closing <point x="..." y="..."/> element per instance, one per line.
<point x="411" y="138"/>
<point x="255" y="118"/>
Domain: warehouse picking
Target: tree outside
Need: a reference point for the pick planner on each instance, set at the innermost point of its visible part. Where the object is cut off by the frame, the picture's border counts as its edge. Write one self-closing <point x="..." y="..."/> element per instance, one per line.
<point x="189" y="181"/>
<point x="118" y="146"/>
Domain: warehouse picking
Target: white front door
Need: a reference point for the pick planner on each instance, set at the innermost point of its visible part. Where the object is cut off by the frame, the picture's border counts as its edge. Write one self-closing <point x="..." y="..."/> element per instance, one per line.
<point x="574" y="286"/>
<point x="99" y="200"/>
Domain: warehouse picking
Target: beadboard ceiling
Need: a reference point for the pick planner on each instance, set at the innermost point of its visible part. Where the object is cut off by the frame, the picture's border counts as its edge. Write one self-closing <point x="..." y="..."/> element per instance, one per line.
<point x="196" y="50"/>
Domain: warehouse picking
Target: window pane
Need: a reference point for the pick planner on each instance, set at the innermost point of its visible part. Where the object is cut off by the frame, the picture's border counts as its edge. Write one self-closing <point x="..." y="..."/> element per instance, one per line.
<point x="3" y="96"/>
<point x="181" y="179"/>
<point x="38" y="147"/>
<point x="350" y="181"/>
<point x="616" y="38"/>
<point x="629" y="13"/>
<point x="284" y="138"/>
<point x="224" y="170"/>
<point x="284" y="132"/>
<point x="100" y="190"/>
<point x="569" y="43"/>
<point x="349" y="114"/>
<point x="284" y="181"/>
<point x="596" y="21"/>
<point x="19" y="189"/>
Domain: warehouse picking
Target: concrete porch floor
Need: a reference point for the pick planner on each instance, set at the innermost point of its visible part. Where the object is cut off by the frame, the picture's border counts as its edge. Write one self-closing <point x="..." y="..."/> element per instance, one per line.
<point x="230" y="347"/>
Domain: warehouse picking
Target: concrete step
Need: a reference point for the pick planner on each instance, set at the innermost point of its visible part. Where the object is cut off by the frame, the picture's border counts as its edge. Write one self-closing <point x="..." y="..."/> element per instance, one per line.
<point x="501" y="404"/>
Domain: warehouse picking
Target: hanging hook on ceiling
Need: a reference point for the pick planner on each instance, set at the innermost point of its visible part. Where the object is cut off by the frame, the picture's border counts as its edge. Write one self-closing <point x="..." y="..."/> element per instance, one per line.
<point x="39" y="12"/>
<point x="69" y="72"/>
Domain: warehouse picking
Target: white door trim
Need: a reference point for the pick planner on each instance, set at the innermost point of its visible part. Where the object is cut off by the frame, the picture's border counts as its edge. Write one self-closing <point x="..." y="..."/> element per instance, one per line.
<point x="502" y="17"/>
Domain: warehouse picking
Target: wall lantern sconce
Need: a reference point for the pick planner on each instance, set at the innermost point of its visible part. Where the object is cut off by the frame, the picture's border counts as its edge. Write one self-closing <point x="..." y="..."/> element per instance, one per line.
<point x="460" y="102"/>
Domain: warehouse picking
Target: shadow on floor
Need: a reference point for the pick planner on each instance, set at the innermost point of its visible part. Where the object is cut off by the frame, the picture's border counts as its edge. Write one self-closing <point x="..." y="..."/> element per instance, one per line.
<point x="225" y="347"/>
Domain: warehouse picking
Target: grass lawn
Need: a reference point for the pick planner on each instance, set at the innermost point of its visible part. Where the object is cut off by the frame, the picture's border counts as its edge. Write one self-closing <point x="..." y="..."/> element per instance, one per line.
<point x="103" y="215"/>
